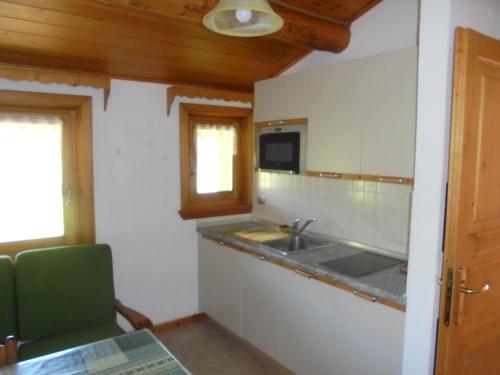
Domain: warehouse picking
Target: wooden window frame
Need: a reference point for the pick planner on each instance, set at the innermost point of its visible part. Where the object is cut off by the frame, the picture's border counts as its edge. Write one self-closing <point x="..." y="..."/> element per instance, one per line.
<point x="76" y="112"/>
<point x="239" y="200"/>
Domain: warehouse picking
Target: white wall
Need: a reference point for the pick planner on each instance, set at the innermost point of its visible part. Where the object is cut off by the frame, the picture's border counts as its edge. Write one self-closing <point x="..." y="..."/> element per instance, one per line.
<point x="426" y="229"/>
<point x="137" y="196"/>
<point x="438" y="20"/>
<point x="391" y="25"/>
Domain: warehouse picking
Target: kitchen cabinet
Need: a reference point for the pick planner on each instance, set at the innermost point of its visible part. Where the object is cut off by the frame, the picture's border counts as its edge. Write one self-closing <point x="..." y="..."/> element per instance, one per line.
<point x="261" y="294"/>
<point x="220" y="283"/>
<point x="368" y="336"/>
<point x="281" y="98"/>
<point x="308" y="326"/>
<point x="388" y="142"/>
<point x="305" y="325"/>
<point x="362" y="115"/>
<point x="335" y="119"/>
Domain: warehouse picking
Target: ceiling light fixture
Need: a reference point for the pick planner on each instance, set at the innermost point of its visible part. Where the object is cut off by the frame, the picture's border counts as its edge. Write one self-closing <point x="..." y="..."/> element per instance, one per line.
<point x="244" y="18"/>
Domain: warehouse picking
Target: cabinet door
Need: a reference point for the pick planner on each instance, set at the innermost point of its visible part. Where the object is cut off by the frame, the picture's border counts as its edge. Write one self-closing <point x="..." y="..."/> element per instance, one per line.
<point x="220" y="283"/>
<point x="335" y="119"/>
<point x="368" y="336"/>
<point x="261" y="292"/>
<point x="281" y="98"/>
<point x="388" y="147"/>
<point x="362" y="115"/>
<point x="305" y="325"/>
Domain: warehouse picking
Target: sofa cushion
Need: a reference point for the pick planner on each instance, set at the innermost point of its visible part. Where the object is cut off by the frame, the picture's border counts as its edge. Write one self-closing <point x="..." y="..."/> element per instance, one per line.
<point x="54" y="344"/>
<point x="63" y="290"/>
<point x="7" y="298"/>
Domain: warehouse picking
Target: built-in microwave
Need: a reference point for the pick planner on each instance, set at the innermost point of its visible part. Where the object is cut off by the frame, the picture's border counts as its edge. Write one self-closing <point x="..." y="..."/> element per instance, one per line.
<point x="282" y="149"/>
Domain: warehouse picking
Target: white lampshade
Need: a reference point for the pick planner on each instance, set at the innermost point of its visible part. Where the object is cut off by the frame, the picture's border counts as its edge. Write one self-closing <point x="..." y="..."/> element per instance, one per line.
<point x="244" y="18"/>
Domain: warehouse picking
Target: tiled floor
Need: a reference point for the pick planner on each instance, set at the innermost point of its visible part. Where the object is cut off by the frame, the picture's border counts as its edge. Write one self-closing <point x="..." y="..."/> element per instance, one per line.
<point x="206" y="349"/>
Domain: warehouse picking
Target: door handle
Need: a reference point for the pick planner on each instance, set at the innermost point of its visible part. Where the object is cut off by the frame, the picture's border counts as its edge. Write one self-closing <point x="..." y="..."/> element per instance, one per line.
<point x="483" y="289"/>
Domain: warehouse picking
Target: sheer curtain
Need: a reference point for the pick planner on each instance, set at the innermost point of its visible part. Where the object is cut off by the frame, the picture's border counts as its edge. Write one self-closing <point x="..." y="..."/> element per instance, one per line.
<point x="31" y="200"/>
<point x="215" y="147"/>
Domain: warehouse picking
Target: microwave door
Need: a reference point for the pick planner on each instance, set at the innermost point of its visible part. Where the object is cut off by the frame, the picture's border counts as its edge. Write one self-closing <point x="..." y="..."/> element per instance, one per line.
<point x="280" y="152"/>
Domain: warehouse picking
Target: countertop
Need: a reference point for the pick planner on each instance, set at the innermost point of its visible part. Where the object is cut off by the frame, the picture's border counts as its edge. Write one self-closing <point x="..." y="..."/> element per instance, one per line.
<point x="387" y="285"/>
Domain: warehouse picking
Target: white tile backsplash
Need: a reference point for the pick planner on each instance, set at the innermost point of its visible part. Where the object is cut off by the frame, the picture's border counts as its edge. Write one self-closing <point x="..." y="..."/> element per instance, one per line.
<point x="374" y="213"/>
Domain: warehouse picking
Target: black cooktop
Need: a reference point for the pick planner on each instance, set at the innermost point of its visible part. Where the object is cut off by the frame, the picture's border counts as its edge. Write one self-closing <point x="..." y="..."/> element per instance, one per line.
<point x="360" y="264"/>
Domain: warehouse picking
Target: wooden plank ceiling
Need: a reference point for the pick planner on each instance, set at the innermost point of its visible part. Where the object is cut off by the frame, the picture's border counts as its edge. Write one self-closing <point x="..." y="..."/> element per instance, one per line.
<point x="164" y="41"/>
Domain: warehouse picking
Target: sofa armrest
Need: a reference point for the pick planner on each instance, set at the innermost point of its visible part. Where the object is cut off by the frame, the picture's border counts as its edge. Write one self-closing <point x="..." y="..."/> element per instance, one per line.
<point x="135" y="318"/>
<point x="8" y="351"/>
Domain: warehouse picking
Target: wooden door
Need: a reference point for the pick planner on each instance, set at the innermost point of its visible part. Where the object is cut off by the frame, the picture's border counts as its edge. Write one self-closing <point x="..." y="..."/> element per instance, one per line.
<point x="469" y="340"/>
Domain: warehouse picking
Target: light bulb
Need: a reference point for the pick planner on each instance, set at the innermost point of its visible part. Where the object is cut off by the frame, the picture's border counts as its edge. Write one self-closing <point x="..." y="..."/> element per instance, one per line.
<point x="243" y="15"/>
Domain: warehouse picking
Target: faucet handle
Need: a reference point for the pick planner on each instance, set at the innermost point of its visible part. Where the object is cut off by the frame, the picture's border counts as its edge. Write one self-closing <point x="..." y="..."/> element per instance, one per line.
<point x="296" y="222"/>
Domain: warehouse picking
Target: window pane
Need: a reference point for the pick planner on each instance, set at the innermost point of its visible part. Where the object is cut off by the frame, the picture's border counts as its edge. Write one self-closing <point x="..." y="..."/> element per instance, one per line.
<point x="31" y="201"/>
<point x="215" y="148"/>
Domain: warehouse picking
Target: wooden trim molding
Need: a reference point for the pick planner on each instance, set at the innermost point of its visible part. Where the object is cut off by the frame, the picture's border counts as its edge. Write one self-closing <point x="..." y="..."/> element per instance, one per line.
<point x="184" y="321"/>
<point x="287" y="122"/>
<point x="322" y="279"/>
<point x="17" y="73"/>
<point x="363" y="177"/>
<point x="206" y="93"/>
<point x="389" y="179"/>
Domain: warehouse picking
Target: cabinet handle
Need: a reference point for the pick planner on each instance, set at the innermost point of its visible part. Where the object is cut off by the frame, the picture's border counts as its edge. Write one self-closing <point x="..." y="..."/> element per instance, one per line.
<point x="221" y="243"/>
<point x="302" y="273"/>
<point x="330" y="175"/>
<point x="259" y="257"/>
<point x="364" y="295"/>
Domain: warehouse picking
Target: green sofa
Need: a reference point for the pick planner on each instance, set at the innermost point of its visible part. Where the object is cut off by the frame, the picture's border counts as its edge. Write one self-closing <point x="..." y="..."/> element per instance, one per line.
<point x="7" y="310"/>
<point x="65" y="298"/>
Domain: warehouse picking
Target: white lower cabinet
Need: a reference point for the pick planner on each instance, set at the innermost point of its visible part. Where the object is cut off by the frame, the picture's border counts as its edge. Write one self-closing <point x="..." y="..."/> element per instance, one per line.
<point x="220" y="283"/>
<point x="368" y="336"/>
<point x="305" y="325"/>
<point x="308" y="326"/>
<point x="261" y="296"/>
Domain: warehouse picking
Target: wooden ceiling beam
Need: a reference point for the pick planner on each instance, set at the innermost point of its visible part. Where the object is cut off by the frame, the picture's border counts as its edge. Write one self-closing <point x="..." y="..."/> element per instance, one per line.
<point x="316" y="33"/>
<point x="300" y="29"/>
<point x="336" y="10"/>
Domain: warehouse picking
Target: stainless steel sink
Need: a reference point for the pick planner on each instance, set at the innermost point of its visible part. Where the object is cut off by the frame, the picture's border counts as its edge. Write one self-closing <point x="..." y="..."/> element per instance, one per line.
<point x="289" y="245"/>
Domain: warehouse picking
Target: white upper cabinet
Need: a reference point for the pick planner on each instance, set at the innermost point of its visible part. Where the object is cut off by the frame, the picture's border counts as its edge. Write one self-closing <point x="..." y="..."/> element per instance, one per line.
<point x="335" y="119"/>
<point x="282" y="98"/>
<point x="389" y="119"/>
<point x="362" y="115"/>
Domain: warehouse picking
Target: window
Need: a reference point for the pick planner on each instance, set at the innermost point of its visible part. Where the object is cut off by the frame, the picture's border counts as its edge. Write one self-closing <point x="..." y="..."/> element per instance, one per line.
<point x="215" y="160"/>
<point x="46" y="193"/>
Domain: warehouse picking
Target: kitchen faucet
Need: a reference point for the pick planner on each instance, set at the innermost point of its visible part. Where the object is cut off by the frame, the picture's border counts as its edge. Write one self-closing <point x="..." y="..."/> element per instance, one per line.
<point x="295" y="242"/>
<point x="296" y="232"/>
